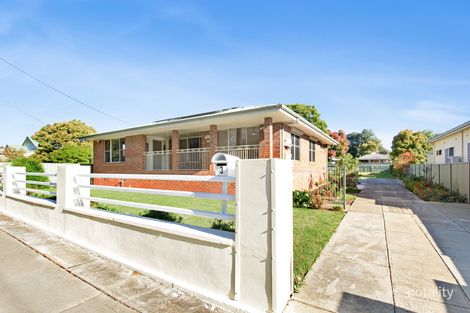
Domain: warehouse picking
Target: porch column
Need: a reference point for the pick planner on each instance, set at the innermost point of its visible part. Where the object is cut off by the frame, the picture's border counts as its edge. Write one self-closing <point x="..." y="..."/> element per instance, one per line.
<point x="267" y="142"/>
<point x="175" y="145"/>
<point x="213" y="145"/>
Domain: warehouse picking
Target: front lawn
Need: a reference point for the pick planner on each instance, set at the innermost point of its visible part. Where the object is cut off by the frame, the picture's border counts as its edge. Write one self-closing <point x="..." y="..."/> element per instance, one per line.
<point x="368" y="175"/>
<point x="312" y="231"/>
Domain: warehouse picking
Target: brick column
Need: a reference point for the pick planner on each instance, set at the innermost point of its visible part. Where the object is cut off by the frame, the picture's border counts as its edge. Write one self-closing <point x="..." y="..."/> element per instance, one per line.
<point x="175" y="145"/>
<point x="266" y="147"/>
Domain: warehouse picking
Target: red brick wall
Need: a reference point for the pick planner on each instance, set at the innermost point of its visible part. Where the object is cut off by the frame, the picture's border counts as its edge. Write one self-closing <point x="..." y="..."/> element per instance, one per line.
<point x="307" y="174"/>
<point x="165" y="184"/>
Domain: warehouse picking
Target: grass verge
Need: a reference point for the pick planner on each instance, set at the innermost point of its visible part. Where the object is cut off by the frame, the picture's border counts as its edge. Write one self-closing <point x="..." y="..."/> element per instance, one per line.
<point x="312" y="231"/>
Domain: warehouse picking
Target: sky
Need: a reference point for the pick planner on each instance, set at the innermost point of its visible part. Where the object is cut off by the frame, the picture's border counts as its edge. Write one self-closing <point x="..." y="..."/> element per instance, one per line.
<point x="382" y="65"/>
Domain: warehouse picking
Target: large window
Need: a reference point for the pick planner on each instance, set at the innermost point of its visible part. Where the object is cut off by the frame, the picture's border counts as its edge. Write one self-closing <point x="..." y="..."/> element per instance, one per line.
<point x="190" y="143"/>
<point x="295" y="147"/>
<point x="238" y="137"/>
<point x="114" y="150"/>
<point x="311" y="151"/>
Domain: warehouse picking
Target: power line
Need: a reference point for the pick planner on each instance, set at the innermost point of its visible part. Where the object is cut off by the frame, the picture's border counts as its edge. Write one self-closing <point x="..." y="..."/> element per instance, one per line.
<point x="24" y="112"/>
<point x="61" y="92"/>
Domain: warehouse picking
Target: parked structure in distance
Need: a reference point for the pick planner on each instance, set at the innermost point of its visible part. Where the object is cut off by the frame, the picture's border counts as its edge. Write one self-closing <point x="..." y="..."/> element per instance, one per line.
<point x="185" y="145"/>
<point x="375" y="157"/>
<point x="452" y="146"/>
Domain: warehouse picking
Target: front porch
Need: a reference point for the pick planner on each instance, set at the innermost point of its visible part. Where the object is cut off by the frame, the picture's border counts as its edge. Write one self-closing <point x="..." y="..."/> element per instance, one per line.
<point x="195" y="158"/>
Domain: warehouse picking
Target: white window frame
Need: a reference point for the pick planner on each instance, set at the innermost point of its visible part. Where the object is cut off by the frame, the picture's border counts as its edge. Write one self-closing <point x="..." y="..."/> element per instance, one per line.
<point x="122" y="150"/>
<point x="294" y="156"/>
<point x="312" y="152"/>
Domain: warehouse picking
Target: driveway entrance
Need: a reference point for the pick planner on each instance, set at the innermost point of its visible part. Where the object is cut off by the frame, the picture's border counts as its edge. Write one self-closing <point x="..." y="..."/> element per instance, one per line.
<point x="392" y="253"/>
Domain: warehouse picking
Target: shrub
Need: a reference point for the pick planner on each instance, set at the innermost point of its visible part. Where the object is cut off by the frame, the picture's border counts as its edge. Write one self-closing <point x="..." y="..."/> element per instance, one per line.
<point x="32" y="165"/>
<point x="71" y="153"/>
<point x="223" y="225"/>
<point x="316" y="200"/>
<point x="163" y="216"/>
<point x="431" y="192"/>
<point x="337" y="208"/>
<point x="302" y="199"/>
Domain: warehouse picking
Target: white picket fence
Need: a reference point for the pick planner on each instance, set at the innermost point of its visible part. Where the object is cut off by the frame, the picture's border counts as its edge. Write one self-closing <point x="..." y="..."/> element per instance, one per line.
<point x="249" y="270"/>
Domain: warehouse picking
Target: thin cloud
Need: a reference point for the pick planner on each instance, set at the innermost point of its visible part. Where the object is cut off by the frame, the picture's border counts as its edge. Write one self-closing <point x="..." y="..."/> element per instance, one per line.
<point x="429" y="111"/>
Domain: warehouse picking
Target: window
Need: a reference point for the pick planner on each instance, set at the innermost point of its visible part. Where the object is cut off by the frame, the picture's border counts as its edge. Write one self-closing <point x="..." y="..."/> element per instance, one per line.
<point x="190" y="143"/>
<point x="114" y="150"/>
<point x="451" y="152"/>
<point x="238" y="137"/>
<point x="311" y="151"/>
<point x="439" y="152"/>
<point x="295" y="147"/>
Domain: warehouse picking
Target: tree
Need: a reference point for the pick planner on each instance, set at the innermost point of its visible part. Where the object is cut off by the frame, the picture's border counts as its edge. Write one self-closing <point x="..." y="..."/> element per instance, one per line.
<point x="403" y="161"/>
<point x="343" y="143"/>
<point x="415" y="142"/>
<point x="54" y="137"/>
<point x="310" y="113"/>
<point x="363" y="143"/>
<point x="11" y="153"/>
<point x="71" y="153"/>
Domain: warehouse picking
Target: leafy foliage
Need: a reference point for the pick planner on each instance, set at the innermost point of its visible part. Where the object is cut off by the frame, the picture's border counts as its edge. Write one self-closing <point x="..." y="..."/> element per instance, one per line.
<point x="414" y="142"/>
<point x="11" y="153"/>
<point x="54" y="137"/>
<point x="343" y="143"/>
<point x="310" y="113"/>
<point x="431" y="192"/>
<point x="163" y="216"/>
<point x="32" y="165"/>
<point x="301" y="199"/>
<point x="223" y="225"/>
<point x="402" y="162"/>
<point x="71" y="153"/>
<point x="364" y="143"/>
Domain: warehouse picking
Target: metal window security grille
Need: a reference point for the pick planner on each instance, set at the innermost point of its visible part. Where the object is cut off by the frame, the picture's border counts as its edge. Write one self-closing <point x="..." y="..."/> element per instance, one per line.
<point x="295" y="147"/>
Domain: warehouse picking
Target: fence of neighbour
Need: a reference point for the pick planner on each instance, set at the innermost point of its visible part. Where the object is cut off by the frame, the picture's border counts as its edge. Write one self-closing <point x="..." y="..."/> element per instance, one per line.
<point x="455" y="177"/>
<point x="373" y="168"/>
<point x="249" y="269"/>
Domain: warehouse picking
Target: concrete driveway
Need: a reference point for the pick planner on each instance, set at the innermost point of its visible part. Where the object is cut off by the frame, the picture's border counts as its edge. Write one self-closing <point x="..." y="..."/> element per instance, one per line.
<point x="392" y="253"/>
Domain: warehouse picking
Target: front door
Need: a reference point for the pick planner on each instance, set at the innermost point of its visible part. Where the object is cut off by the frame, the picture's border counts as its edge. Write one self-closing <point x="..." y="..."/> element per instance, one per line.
<point x="161" y="158"/>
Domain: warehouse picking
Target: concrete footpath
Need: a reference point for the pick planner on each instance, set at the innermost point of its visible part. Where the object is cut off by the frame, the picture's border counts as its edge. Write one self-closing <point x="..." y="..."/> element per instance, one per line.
<point x="43" y="273"/>
<point x="392" y="253"/>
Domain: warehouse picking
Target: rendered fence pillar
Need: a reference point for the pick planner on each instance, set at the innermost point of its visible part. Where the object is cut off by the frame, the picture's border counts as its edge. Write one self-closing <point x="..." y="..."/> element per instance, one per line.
<point x="264" y="234"/>
<point x="11" y="174"/>
<point x="67" y="189"/>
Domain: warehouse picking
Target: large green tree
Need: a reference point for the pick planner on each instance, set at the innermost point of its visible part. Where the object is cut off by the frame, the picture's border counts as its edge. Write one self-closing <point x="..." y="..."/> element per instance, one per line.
<point x="414" y="142"/>
<point x="311" y="114"/>
<point x="364" y="143"/>
<point x="53" y="137"/>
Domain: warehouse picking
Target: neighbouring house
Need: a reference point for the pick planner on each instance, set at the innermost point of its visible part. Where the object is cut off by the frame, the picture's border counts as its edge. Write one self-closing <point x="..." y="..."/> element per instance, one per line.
<point x="452" y="146"/>
<point x="29" y="146"/>
<point x="185" y="145"/>
<point x="375" y="158"/>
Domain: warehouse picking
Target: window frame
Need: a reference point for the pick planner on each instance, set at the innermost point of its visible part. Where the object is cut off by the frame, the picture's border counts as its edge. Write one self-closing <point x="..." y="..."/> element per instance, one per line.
<point x="293" y="147"/>
<point x="311" y="151"/>
<point x="108" y="150"/>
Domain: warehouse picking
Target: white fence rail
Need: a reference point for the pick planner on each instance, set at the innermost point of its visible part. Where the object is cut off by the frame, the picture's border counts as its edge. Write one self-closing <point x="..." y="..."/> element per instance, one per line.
<point x="243" y="152"/>
<point x="454" y="176"/>
<point x="248" y="270"/>
<point x="158" y="160"/>
<point x="194" y="159"/>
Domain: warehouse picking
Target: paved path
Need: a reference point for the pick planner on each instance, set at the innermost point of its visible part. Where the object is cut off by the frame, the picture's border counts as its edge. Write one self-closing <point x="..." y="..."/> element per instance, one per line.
<point x="41" y="273"/>
<point x="392" y="253"/>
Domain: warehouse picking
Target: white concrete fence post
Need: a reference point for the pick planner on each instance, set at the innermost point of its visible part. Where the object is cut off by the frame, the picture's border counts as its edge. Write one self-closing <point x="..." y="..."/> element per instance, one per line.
<point x="67" y="181"/>
<point x="11" y="174"/>
<point x="264" y="234"/>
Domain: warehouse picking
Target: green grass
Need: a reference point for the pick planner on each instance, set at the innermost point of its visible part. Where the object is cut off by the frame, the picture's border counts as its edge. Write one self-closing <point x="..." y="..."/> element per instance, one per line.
<point x="367" y="175"/>
<point x="312" y="231"/>
<point x="179" y="202"/>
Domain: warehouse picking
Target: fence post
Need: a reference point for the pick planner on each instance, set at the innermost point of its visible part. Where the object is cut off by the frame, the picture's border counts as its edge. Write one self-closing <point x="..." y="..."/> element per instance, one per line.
<point x="66" y="185"/>
<point x="450" y="177"/>
<point x="264" y="233"/>
<point x="11" y="174"/>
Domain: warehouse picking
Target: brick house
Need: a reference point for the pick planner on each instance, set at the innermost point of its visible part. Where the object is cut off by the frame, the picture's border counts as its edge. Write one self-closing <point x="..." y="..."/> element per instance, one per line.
<point x="185" y="145"/>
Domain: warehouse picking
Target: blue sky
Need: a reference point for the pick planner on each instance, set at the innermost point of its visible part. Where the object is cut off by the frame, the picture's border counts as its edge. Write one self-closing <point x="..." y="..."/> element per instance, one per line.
<point x="384" y="65"/>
